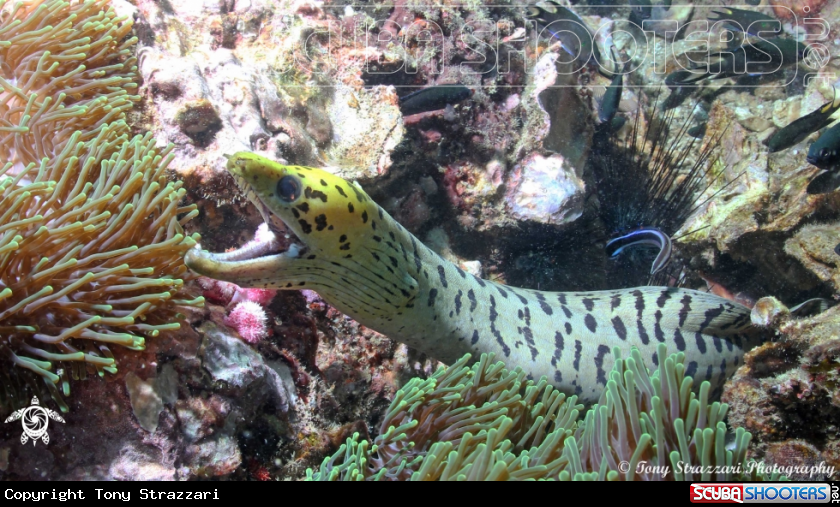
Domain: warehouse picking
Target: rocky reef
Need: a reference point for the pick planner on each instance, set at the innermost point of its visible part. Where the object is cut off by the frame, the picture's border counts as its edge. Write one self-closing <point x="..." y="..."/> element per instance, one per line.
<point x="263" y="386"/>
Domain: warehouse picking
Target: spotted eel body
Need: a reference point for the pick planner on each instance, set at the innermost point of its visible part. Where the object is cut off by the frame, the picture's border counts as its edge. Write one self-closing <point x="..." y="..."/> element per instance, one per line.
<point x="368" y="266"/>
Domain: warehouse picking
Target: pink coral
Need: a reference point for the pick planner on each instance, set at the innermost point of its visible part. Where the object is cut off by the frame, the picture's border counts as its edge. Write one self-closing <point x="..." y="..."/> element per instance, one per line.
<point x="249" y="320"/>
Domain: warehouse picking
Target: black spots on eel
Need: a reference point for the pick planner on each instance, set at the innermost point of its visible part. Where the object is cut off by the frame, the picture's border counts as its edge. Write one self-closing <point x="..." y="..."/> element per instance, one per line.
<point x="321" y="222"/>
<point x="686" y="308"/>
<point x="640" y="303"/>
<point x="558" y="348"/>
<point x="496" y="333"/>
<point x="600" y="373"/>
<point x="473" y="301"/>
<point x="458" y="302"/>
<point x="350" y="207"/>
<point x="701" y="343"/>
<point x="710" y="315"/>
<point x="529" y="339"/>
<point x="340" y="191"/>
<point x="480" y="281"/>
<point x="679" y="340"/>
<point x="590" y="322"/>
<point x="306" y="227"/>
<point x="304" y="206"/>
<point x="578" y="349"/>
<point x="315" y="194"/>
<point x="493" y="314"/>
<point x="589" y="303"/>
<point x="359" y="196"/>
<point x="643" y="333"/>
<point x="474" y="339"/>
<point x="543" y="304"/>
<point x="364" y="217"/>
<point x="568" y="328"/>
<point x="663" y="298"/>
<point x="342" y="238"/>
<point x="442" y="274"/>
<point x="691" y="370"/>
<point x="657" y="328"/>
<point x="619" y="327"/>
<point x="432" y="296"/>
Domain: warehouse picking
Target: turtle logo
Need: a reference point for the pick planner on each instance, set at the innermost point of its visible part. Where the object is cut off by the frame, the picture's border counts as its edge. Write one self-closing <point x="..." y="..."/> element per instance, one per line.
<point x="35" y="420"/>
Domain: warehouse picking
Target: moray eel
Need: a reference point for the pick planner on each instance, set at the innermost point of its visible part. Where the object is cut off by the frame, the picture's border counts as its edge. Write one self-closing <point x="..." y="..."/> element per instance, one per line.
<point x="367" y="265"/>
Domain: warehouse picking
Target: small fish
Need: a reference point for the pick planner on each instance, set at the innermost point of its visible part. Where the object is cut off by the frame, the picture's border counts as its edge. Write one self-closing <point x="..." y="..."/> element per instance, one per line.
<point x="758" y="57"/>
<point x="640" y="10"/>
<point x="811" y="307"/>
<point x="826" y="181"/>
<point x="648" y="236"/>
<point x="564" y="25"/>
<point x="433" y="98"/>
<point x="684" y="77"/>
<point x="801" y="128"/>
<point x="837" y="249"/>
<point x="697" y="131"/>
<point x="750" y="22"/>
<point x="825" y="151"/>
<point x="611" y="99"/>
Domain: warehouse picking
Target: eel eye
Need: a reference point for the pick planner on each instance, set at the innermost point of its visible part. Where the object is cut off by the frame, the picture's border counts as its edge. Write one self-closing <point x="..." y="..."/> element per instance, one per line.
<point x="288" y="188"/>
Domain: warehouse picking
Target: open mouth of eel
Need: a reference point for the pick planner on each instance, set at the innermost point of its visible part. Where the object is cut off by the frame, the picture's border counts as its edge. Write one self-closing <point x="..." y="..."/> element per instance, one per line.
<point x="273" y="241"/>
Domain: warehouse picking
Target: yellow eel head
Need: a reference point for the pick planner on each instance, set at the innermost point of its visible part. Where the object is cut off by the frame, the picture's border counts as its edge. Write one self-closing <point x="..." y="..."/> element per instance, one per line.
<point x="336" y="223"/>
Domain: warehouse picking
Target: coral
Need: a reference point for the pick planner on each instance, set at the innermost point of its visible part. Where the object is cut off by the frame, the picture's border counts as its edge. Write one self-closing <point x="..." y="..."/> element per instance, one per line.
<point x="249" y="320"/>
<point x="485" y="422"/>
<point x="91" y="244"/>
<point x="787" y="393"/>
<point x="66" y="67"/>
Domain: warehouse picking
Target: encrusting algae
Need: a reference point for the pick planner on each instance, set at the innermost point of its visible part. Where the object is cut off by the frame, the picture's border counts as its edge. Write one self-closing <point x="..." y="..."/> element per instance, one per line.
<point x="91" y="237"/>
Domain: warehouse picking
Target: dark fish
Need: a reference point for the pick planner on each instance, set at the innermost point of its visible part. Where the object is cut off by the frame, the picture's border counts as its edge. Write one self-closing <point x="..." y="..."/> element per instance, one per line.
<point x="801" y="128"/>
<point x="684" y="77"/>
<point x="826" y="181"/>
<point x="752" y="58"/>
<point x="758" y="57"/>
<point x="837" y="249"/>
<point x="811" y="307"/>
<point x="697" y="131"/>
<point x="564" y="25"/>
<point x="750" y="22"/>
<point x="433" y="98"/>
<point x="640" y="10"/>
<point x="646" y="236"/>
<point x="611" y="99"/>
<point x="825" y="151"/>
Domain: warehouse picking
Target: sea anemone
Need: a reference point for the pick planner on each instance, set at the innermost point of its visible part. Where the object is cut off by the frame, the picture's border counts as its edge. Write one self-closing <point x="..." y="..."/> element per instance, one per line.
<point x="91" y="237"/>
<point x="487" y="423"/>
<point x="65" y="67"/>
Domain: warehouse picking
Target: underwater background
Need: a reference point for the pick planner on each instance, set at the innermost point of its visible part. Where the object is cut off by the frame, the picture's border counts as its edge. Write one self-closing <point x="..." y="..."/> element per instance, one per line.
<point x="548" y="146"/>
